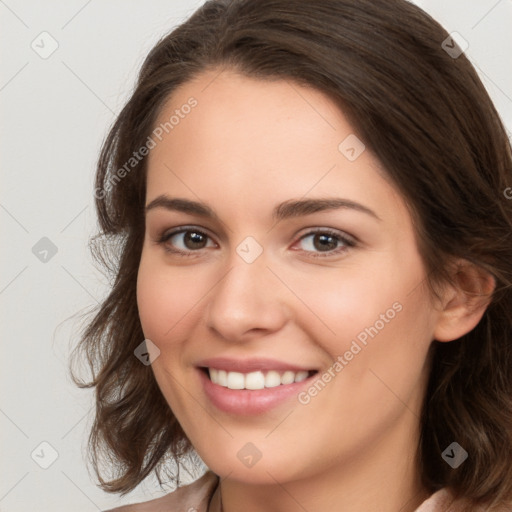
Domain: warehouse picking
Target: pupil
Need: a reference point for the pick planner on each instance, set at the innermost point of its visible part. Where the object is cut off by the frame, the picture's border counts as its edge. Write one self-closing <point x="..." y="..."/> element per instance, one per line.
<point x="324" y="242"/>
<point x="193" y="239"/>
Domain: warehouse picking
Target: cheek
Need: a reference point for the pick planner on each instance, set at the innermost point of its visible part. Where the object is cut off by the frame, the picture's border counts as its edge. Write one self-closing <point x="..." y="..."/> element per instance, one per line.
<point x="342" y="302"/>
<point x="376" y="312"/>
<point x="382" y="363"/>
<point x="164" y="299"/>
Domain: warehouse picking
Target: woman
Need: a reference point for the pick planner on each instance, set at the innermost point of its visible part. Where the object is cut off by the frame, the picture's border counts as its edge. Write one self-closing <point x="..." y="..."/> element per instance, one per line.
<point x="312" y="291"/>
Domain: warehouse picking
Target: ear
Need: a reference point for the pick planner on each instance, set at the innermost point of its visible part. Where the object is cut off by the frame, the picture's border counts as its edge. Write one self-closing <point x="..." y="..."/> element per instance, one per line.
<point x="465" y="302"/>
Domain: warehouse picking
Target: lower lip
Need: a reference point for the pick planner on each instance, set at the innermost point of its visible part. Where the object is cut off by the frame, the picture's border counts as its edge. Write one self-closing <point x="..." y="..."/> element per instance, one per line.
<point x="246" y="401"/>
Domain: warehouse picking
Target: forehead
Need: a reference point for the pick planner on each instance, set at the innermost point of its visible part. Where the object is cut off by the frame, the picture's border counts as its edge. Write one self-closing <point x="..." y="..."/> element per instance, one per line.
<point x="255" y="142"/>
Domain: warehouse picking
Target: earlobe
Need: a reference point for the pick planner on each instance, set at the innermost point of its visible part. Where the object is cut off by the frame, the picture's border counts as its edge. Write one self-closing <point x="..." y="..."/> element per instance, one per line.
<point x="464" y="303"/>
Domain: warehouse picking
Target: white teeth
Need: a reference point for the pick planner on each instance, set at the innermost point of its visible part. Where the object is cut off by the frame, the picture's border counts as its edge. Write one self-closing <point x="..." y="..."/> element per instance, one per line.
<point x="236" y="380"/>
<point x="300" y="376"/>
<point x="255" y="380"/>
<point x="222" y="378"/>
<point x="272" y="379"/>
<point x="288" y="377"/>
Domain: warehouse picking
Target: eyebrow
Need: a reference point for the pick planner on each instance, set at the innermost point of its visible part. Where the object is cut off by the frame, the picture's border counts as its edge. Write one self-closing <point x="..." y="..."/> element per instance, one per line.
<point x="285" y="210"/>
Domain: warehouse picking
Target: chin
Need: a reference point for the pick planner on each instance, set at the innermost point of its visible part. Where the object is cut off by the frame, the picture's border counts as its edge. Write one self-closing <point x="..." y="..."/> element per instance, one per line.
<point x="267" y="470"/>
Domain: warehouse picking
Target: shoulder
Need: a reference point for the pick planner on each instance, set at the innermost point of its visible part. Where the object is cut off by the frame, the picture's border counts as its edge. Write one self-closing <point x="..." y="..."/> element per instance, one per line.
<point x="194" y="496"/>
<point x="444" y="501"/>
<point x="441" y="500"/>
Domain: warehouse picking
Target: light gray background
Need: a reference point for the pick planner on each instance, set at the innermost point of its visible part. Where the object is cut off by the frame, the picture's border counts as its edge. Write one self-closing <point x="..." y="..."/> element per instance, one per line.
<point x="54" y="115"/>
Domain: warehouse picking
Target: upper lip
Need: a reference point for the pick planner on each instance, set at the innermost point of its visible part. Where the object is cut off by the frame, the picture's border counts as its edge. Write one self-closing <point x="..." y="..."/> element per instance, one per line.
<point x="249" y="365"/>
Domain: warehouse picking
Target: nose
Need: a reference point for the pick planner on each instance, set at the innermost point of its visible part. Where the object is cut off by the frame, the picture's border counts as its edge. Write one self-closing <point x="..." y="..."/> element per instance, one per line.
<point x="248" y="302"/>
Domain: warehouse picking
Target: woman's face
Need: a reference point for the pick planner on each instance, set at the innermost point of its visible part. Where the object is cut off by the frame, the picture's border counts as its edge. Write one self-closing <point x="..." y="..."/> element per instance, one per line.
<point x="253" y="272"/>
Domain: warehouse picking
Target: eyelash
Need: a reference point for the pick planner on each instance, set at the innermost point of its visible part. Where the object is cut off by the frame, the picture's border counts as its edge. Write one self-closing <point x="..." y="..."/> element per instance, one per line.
<point x="348" y="242"/>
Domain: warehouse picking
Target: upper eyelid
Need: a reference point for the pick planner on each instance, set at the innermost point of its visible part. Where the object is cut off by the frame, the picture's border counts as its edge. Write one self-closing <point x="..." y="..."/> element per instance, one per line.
<point x="189" y="227"/>
<point x="183" y="229"/>
<point x="165" y="235"/>
<point x="342" y="235"/>
<point x="307" y="232"/>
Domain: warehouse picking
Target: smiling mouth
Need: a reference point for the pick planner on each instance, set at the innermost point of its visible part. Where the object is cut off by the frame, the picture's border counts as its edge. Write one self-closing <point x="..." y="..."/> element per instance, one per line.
<point x="255" y="380"/>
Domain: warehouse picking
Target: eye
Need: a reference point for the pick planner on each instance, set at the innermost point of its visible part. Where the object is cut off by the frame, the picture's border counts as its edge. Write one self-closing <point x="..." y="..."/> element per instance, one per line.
<point x="185" y="240"/>
<point x="325" y="242"/>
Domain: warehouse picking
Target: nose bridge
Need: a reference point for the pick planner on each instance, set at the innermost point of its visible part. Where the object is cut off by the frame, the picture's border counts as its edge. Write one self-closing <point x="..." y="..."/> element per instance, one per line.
<point x="246" y="298"/>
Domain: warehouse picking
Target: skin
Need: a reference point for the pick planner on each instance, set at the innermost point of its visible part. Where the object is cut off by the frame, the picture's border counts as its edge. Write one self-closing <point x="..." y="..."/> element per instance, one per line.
<point x="247" y="146"/>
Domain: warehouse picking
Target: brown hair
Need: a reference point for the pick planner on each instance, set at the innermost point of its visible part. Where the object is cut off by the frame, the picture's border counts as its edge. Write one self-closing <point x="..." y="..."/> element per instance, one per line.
<point x="428" y="119"/>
